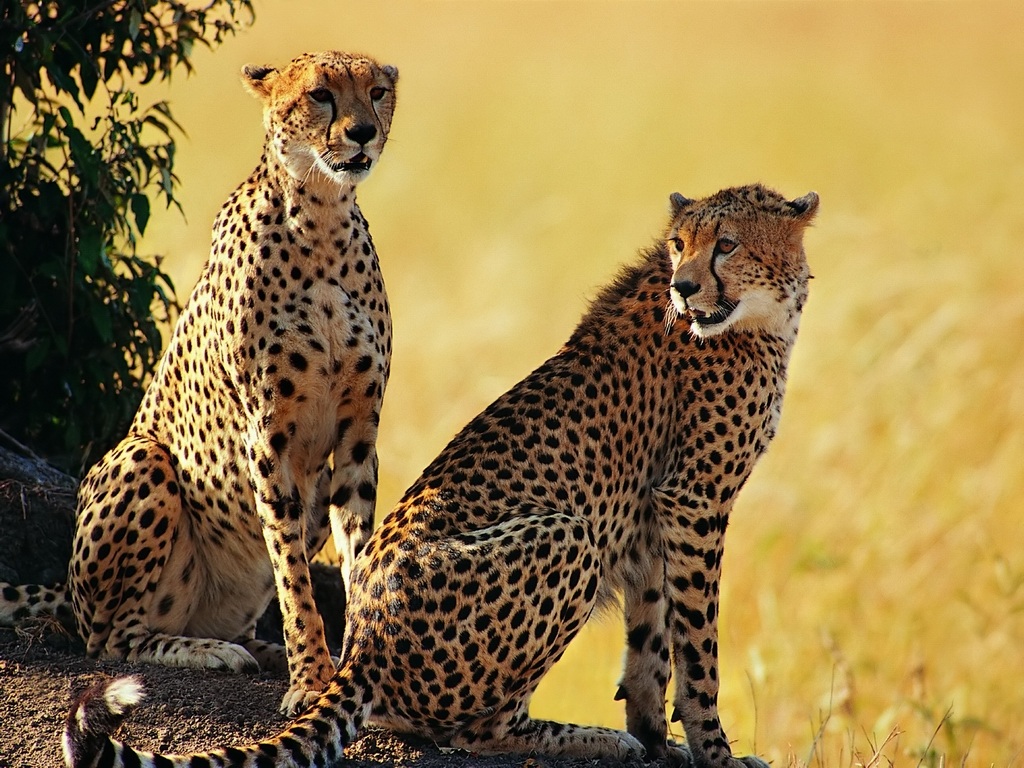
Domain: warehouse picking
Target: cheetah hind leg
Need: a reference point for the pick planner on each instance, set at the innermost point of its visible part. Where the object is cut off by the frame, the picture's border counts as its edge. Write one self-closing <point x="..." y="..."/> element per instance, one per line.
<point x="513" y="731"/>
<point x="133" y="580"/>
<point x="545" y="571"/>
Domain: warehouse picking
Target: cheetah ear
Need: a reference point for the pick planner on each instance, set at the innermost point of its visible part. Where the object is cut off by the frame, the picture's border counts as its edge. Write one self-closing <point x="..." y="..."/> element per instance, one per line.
<point x="804" y="208"/>
<point x="258" y="80"/>
<point x="390" y="72"/>
<point x="678" y="202"/>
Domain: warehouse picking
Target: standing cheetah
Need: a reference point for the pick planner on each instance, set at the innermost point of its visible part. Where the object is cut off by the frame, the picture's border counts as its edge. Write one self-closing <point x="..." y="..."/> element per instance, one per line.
<point x="612" y="468"/>
<point x="261" y="422"/>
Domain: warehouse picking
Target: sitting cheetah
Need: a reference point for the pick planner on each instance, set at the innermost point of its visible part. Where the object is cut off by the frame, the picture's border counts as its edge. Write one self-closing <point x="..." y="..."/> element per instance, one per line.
<point x="261" y="421"/>
<point x="612" y="468"/>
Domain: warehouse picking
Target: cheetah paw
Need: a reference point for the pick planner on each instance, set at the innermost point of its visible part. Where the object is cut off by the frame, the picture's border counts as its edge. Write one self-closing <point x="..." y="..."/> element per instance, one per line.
<point x="217" y="654"/>
<point x="242" y="661"/>
<point x="297" y="700"/>
<point x="677" y="755"/>
<point x="628" y="746"/>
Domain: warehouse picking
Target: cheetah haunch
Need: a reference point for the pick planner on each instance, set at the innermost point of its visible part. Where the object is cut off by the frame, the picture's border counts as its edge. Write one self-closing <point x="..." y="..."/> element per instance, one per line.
<point x="612" y="468"/>
<point x="261" y="422"/>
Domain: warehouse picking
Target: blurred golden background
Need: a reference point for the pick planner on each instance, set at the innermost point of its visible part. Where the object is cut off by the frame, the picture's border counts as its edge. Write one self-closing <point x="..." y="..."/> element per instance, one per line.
<point x="873" y="605"/>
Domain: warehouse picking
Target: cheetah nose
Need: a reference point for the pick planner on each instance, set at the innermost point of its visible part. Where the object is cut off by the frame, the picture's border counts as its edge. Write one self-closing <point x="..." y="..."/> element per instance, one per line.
<point x="685" y="288"/>
<point x="361" y="133"/>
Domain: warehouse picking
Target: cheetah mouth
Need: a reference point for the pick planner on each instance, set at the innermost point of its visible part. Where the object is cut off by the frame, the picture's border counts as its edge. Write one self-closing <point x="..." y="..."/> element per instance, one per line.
<point x="704" y="320"/>
<point x="359" y="163"/>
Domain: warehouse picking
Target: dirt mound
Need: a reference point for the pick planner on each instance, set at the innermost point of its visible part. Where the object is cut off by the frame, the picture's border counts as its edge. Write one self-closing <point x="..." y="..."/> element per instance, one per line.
<point x="185" y="710"/>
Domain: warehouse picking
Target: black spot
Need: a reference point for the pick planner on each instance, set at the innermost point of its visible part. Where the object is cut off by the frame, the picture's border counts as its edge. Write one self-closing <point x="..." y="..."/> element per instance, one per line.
<point x="360" y="451"/>
<point x="638" y="636"/>
<point x="165" y="605"/>
<point x="279" y="441"/>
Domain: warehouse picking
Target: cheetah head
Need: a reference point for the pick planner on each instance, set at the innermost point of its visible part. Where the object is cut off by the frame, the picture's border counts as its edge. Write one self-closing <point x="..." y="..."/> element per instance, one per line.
<point x="738" y="260"/>
<point x="327" y="115"/>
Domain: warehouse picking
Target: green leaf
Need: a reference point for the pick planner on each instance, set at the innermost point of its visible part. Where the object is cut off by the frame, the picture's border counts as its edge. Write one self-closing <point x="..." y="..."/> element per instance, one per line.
<point x="167" y="183"/>
<point x="90" y="252"/>
<point x="140" y="209"/>
<point x="134" y="22"/>
<point x="90" y="78"/>
<point x="51" y="269"/>
<point x="165" y="109"/>
<point x="110" y="64"/>
<point x="100" y="314"/>
<point x="82" y="152"/>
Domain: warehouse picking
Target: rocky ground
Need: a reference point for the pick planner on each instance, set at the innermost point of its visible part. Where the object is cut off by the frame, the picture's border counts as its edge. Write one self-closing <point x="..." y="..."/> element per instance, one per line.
<point x="185" y="710"/>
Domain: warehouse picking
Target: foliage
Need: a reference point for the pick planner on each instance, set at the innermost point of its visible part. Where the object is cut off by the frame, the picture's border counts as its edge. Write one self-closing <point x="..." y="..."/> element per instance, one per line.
<point x="82" y="163"/>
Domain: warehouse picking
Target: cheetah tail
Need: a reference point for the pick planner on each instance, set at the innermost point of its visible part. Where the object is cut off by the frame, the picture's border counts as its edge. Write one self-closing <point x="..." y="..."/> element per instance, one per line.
<point x="94" y="714"/>
<point x="26" y="601"/>
<point x="318" y="737"/>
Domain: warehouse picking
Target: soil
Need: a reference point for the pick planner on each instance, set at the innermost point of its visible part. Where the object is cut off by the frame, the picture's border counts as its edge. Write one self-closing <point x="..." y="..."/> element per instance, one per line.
<point x="186" y="710"/>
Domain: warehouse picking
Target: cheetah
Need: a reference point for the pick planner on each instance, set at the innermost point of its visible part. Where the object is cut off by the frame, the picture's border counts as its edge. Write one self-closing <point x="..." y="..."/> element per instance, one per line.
<point x="611" y="469"/>
<point x="256" y="438"/>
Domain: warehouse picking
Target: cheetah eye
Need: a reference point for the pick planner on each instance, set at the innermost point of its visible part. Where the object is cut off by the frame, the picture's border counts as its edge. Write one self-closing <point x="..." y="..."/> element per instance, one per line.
<point x="377" y="93"/>
<point x="725" y="245"/>
<point x="678" y="244"/>
<point x="321" y="95"/>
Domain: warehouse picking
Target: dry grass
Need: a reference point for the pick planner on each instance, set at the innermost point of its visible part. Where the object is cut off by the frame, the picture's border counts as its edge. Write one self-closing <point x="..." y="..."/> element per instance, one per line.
<point x="874" y="591"/>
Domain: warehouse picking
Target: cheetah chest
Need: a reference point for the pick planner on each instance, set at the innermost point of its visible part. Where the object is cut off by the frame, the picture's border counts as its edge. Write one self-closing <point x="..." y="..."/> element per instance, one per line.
<point x="328" y="364"/>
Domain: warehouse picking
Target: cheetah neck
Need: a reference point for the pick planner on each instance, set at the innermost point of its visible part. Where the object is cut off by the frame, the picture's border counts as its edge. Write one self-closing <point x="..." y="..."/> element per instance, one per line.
<point x="313" y="219"/>
<point x="313" y="196"/>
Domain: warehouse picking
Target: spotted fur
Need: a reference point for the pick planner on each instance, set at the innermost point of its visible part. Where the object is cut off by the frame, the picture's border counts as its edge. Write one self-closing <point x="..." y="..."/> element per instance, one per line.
<point x="611" y="469"/>
<point x="256" y="437"/>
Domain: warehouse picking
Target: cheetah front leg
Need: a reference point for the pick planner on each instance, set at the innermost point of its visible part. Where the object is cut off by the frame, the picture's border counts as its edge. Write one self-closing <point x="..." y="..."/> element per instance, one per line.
<point x="647" y="664"/>
<point x="284" y="508"/>
<point x="693" y="569"/>
<point x="353" y="491"/>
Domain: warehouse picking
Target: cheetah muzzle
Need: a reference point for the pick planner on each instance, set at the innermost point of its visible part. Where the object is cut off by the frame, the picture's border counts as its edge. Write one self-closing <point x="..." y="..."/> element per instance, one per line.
<point x="612" y="469"/>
